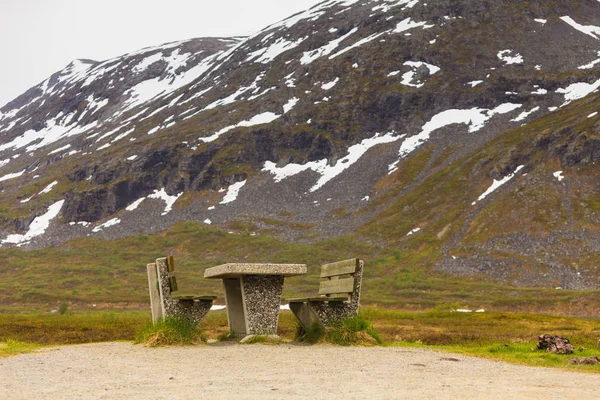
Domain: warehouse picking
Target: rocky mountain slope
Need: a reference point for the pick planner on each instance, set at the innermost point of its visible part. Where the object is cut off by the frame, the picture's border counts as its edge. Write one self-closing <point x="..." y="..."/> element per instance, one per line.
<point x="463" y="130"/>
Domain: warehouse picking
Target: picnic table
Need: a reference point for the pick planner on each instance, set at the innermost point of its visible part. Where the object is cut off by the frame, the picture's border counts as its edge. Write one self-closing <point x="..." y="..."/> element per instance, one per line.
<point x="253" y="294"/>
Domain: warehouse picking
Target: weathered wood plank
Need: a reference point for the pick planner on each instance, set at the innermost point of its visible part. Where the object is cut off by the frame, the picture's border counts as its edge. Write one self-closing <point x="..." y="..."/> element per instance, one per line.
<point x="345" y="285"/>
<point x="192" y="297"/>
<point x="170" y="264"/>
<point x="173" y="283"/>
<point x="339" y="268"/>
<point x="325" y="298"/>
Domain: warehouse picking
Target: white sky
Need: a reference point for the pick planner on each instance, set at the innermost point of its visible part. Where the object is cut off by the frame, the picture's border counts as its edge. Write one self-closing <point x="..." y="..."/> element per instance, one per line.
<point x="40" y="37"/>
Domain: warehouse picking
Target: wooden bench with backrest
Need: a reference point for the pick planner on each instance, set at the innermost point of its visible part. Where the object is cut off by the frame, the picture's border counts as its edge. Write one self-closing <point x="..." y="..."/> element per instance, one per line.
<point x="164" y="301"/>
<point x="339" y="295"/>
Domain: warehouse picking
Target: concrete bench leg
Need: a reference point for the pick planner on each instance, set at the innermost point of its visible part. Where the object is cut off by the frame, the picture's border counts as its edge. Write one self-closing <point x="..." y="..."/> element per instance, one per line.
<point x="155" y="298"/>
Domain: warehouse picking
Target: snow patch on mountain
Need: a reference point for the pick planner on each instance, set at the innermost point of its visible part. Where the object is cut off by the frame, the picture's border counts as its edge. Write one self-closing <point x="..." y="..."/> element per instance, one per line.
<point x="169" y="200"/>
<point x="525" y="114"/>
<point x="37" y="227"/>
<point x="48" y="188"/>
<point x="578" y="91"/>
<point x="263" y="118"/>
<point x="107" y="224"/>
<point x="408" y="24"/>
<point x="267" y="54"/>
<point x="508" y="58"/>
<point x="11" y="176"/>
<point x="475" y="118"/>
<point x="408" y="79"/>
<point x="498" y="183"/>
<point x="310" y="56"/>
<point x="328" y="172"/>
<point x="232" y="192"/>
<point x="590" y="30"/>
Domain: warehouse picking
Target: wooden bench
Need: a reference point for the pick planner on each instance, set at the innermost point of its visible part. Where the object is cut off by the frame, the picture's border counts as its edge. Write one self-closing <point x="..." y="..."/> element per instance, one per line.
<point x="164" y="303"/>
<point x="339" y="295"/>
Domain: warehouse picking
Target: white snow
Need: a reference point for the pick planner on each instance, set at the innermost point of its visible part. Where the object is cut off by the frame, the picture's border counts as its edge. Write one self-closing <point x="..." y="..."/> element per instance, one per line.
<point x="592" y="115"/>
<point x="53" y="132"/>
<point x="413" y="231"/>
<point x="290" y="104"/>
<point x="496" y="184"/>
<point x="268" y="54"/>
<point x="169" y="200"/>
<point x="48" y="188"/>
<point x="131" y="158"/>
<point x="578" y="90"/>
<point x="408" y="78"/>
<point x="107" y="224"/>
<point x="11" y="176"/>
<point x="59" y="149"/>
<point x="148" y="61"/>
<point x="135" y="204"/>
<point x="328" y="172"/>
<point x="558" y="175"/>
<point x="26" y="200"/>
<point x="233" y="97"/>
<point x="508" y="58"/>
<point x="393" y="73"/>
<point x="259" y="119"/>
<point x="407" y="24"/>
<point x="329" y="85"/>
<point x="207" y="221"/>
<point x="589" y="30"/>
<point x="475" y="118"/>
<point x="153" y="130"/>
<point x="525" y="114"/>
<point x="38" y="226"/>
<point x="232" y="192"/>
<point x="358" y="44"/>
<point x="540" y="91"/>
<point x="165" y="85"/>
<point x="310" y="56"/>
<point x="541" y="20"/>
<point x="474" y="83"/>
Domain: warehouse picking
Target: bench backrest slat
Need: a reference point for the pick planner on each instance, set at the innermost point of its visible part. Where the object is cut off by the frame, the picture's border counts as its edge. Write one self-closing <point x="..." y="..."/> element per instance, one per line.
<point x="336" y="286"/>
<point x="339" y="268"/>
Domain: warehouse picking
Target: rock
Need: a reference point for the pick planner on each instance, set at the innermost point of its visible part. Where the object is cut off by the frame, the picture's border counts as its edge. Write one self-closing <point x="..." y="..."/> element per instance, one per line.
<point x="555" y="344"/>
<point x="586" y="360"/>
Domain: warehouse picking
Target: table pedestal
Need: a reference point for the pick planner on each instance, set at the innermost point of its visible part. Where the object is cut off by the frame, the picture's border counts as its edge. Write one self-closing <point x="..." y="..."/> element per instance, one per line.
<point x="253" y="304"/>
<point x="253" y="294"/>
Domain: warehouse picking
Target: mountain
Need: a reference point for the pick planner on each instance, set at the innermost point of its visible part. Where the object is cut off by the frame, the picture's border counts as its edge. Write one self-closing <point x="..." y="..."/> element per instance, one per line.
<point x="461" y="133"/>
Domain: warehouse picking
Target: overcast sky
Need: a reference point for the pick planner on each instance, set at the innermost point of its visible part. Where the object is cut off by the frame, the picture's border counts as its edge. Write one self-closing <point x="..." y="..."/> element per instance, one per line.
<point x="40" y="37"/>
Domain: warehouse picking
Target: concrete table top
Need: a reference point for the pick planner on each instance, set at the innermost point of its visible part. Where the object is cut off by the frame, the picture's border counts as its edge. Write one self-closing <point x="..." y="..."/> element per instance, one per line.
<point x="238" y="269"/>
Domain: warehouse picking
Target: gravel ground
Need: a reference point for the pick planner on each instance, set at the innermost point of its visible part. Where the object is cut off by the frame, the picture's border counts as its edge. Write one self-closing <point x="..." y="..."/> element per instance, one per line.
<point x="232" y="371"/>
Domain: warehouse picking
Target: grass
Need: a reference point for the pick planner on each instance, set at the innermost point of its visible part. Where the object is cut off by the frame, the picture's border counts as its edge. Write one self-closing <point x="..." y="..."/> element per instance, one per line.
<point x="72" y="327"/>
<point x="503" y="336"/>
<point x="12" y="348"/>
<point x="171" y="331"/>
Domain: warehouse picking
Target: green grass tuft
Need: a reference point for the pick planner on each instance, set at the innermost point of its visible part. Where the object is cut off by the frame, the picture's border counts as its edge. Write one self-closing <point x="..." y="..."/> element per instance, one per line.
<point x="346" y="332"/>
<point x="171" y="332"/>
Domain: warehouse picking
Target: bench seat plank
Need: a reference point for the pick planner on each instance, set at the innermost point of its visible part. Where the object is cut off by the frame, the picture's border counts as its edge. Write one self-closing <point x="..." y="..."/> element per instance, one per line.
<point x="322" y="298"/>
<point x="176" y="297"/>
